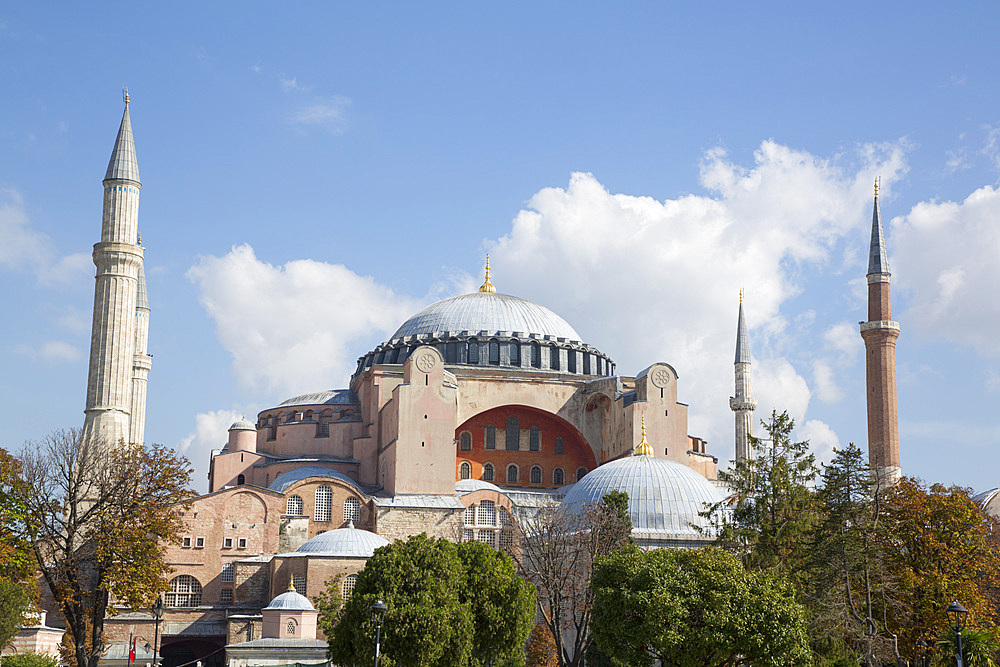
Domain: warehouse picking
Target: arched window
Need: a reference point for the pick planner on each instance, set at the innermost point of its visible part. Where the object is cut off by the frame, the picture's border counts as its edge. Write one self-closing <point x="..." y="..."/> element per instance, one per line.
<point x="488" y="472"/>
<point x="324" y="504"/>
<point x="513" y="434"/>
<point x="293" y="506"/>
<point x="491" y="437"/>
<point x="350" y="581"/>
<point x="486" y="515"/>
<point x="299" y="583"/>
<point x="494" y="353"/>
<point x="394" y="355"/>
<point x="465" y="441"/>
<point x="580" y="472"/>
<point x="554" y="358"/>
<point x="586" y="363"/>
<point x="352" y="510"/>
<point x="534" y="439"/>
<point x="465" y="470"/>
<point x="559" y="445"/>
<point x="558" y="477"/>
<point x="515" y="353"/>
<point x="241" y="480"/>
<point x="536" y="475"/>
<point x="512" y="474"/>
<point x="571" y="361"/>
<point x="185" y="591"/>
<point x="536" y="356"/>
<point x="228" y="573"/>
<point x="290" y="627"/>
<point x="473" y="352"/>
<point x="451" y="352"/>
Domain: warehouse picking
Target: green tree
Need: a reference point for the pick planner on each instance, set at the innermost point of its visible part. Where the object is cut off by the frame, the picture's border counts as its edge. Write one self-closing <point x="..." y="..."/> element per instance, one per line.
<point x="15" y="601"/>
<point x="980" y="648"/>
<point x="99" y="517"/>
<point x="30" y="660"/>
<point x="772" y="510"/>
<point x="448" y="604"/>
<point x="694" y="607"/>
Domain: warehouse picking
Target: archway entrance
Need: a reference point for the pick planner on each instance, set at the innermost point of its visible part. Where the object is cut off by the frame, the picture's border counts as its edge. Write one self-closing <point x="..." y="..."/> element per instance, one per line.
<point x="178" y="651"/>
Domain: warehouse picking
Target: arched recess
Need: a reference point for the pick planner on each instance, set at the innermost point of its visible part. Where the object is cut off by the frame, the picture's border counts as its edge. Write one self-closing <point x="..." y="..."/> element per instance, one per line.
<point x="597" y="419"/>
<point x="576" y="452"/>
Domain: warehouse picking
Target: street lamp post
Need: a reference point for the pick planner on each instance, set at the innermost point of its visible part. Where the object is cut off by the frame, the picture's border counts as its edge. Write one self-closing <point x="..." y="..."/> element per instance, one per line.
<point x="924" y="647"/>
<point x="378" y="613"/>
<point x="157" y="610"/>
<point x="956" y="617"/>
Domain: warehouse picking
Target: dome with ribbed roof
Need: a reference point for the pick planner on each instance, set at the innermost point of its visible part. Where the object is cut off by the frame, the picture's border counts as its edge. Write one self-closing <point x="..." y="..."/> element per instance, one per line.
<point x="291" y="600"/>
<point x="243" y="424"/>
<point x="664" y="497"/>
<point x="286" y="479"/>
<point x="344" y="542"/>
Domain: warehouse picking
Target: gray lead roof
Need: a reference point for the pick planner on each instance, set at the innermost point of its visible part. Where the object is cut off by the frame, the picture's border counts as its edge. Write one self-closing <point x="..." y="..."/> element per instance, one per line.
<point x="742" y="340"/>
<point x="123" y="165"/>
<point x="878" y="261"/>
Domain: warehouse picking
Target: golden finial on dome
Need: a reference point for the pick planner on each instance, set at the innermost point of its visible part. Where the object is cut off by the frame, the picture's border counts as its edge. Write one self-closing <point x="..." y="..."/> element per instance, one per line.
<point x="291" y="585"/>
<point x="125" y="92"/>
<point x="741" y="295"/>
<point x="488" y="286"/>
<point x="643" y="448"/>
<point x="876" y="187"/>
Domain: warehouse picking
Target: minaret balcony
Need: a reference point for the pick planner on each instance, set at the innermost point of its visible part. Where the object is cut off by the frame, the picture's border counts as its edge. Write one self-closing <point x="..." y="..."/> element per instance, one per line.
<point x="889" y="325"/>
<point x="740" y="404"/>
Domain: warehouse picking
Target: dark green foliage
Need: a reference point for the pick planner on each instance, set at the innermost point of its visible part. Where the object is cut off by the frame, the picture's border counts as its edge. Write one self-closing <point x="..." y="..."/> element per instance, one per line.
<point x="448" y="604"/>
<point x="696" y="607"/>
<point x="980" y="648"/>
<point x="30" y="660"/>
<point x="14" y="602"/>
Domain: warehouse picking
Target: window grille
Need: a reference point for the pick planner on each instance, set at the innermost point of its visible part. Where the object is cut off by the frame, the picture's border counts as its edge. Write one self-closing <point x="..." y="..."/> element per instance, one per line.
<point x="469" y="535"/>
<point x="506" y="520"/>
<point x="515" y="353"/>
<point x="228" y="573"/>
<point x="226" y="596"/>
<point x="512" y="474"/>
<point x="488" y="536"/>
<point x="185" y="591"/>
<point x="470" y="515"/>
<point x="494" y="353"/>
<point x="536" y="475"/>
<point x="324" y="504"/>
<point x="299" y="583"/>
<point x="487" y="513"/>
<point x="465" y="441"/>
<point x="534" y="439"/>
<point x="580" y="472"/>
<point x="290" y="628"/>
<point x="491" y="437"/>
<point x="559" y="445"/>
<point x="558" y="477"/>
<point x="488" y="472"/>
<point x="352" y="510"/>
<point x="350" y="581"/>
<point x="507" y="539"/>
<point x="513" y="434"/>
<point x="473" y="352"/>
<point x="293" y="505"/>
<point x="536" y="356"/>
<point x="465" y="470"/>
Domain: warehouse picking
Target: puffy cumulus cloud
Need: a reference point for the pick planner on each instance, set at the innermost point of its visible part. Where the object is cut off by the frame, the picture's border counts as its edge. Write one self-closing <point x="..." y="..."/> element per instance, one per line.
<point x="211" y="431"/>
<point x="844" y="339"/>
<point x="53" y="351"/>
<point x="648" y="280"/>
<point x="827" y="389"/>
<point x="944" y="253"/>
<point x="821" y="437"/>
<point x="293" y="328"/>
<point x="24" y="248"/>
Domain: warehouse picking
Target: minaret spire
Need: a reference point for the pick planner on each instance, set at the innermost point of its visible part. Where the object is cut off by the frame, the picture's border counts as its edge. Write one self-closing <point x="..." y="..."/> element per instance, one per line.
<point x="880" y="333"/>
<point x="743" y="404"/>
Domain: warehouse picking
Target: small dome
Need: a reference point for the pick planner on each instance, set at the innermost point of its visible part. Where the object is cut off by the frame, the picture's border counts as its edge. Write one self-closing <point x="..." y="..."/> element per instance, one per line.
<point x="352" y="542"/>
<point x="291" y="600"/>
<point x="663" y="496"/>
<point x="286" y="479"/>
<point x="464" y="486"/>
<point x="489" y="312"/>
<point x="243" y="424"/>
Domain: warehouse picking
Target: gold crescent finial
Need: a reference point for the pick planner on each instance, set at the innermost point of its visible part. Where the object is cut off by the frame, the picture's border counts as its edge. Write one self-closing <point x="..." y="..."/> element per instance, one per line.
<point x="487" y="285"/>
<point x="643" y="448"/>
<point x="877" y="179"/>
<point x="291" y="585"/>
<point x="741" y="295"/>
<point x="125" y="92"/>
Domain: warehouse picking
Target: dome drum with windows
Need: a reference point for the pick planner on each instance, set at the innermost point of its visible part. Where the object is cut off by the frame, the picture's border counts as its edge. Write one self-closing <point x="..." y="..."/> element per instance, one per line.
<point x="490" y="329"/>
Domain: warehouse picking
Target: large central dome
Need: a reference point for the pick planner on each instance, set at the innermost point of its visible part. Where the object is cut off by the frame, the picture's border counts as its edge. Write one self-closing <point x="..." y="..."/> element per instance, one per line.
<point x="487" y="312"/>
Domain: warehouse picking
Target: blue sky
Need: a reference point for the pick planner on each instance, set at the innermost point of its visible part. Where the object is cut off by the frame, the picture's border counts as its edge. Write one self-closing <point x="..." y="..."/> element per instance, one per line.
<point x="313" y="173"/>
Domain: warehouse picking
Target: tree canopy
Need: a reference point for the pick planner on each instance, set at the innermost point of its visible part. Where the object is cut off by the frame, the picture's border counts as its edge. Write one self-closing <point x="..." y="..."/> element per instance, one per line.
<point x="448" y="604"/>
<point x="694" y="607"/>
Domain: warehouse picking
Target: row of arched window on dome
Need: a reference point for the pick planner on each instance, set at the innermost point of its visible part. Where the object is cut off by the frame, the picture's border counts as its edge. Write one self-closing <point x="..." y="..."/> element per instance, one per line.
<point x="506" y="353"/>
<point x="512" y="438"/>
<point x="323" y="506"/>
<point x="535" y="474"/>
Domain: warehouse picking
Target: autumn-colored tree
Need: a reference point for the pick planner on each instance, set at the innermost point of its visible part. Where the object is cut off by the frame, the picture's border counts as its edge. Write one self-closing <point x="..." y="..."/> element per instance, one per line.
<point x="98" y="521"/>
<point x="943" y="547"/>
<point x="17" y="586"/>
<point x="557" y="550"/>
<point x="541" y="651"/>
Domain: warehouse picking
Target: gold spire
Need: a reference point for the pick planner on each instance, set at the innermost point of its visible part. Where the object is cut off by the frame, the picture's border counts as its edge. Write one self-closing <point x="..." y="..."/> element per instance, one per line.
<point x="291" y="585"/>
<point x="125" y="91"/>
<point x="488" y="286"/>
<point x="741" y="295"/>
<point x="643" y="448"/>
<point x="876" y="187"/>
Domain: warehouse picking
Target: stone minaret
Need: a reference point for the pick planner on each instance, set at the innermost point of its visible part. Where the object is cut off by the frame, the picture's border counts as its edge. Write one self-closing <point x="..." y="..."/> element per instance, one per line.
<point x="118" y="258"/>
<point x="742" y="403"/>
<point x="880" y="334"/>
<point x="141" y="362"/>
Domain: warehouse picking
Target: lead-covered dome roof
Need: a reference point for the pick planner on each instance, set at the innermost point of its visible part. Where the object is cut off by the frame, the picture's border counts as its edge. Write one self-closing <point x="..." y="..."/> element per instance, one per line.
<point x="344" y="542"/>
<point x="487" y="312"/>
<point x="291" y="600"/>
<point x="663" y="496"/>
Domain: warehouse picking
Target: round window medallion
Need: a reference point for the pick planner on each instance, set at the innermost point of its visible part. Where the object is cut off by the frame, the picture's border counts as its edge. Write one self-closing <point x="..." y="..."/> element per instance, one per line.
<point x="425" y="361"/>
<point x="660" y="377"/>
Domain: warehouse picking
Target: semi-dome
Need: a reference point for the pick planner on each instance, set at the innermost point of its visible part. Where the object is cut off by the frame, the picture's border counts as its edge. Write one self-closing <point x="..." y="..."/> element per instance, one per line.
<point x="243" y="424"/>
<point x="487" y="312"/>
<point x="291" y="600"/>
<point x="344" y="542"/>
<point x="286" y="479"/>
<point x="330" y="397"/>
<point x="464" y="486"/>
<point x="664" y="497"/>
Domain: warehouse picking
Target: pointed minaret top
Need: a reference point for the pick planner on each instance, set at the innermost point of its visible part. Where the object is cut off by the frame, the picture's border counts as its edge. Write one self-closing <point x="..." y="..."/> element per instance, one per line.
<point x="643" y="448"/>
<point x="123" y="165"/>
<point x="742" y="339"/>
<point x="878" y="261"/>
<point x="488" y="286"/>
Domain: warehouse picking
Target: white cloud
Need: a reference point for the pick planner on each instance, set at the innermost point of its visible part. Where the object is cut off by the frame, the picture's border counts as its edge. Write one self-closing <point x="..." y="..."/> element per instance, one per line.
<point x="945" y="254"/>
<point x="211" y="431"/>
<point x="845" y="340"/>
<point x="827" y="389"/>
<point x="25" y="249"/>
<point x="329" y="114"/>
<point x="294" y="328"/>
<point x="822" y="439"/>
<point x="53" y="351"/>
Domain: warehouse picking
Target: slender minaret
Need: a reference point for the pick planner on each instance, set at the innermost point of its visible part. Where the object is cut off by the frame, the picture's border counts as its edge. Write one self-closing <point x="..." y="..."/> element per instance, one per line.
<point x="141" y="362"/>
<point x="880" y="334"/>
<point x="742" y="403"/>
<point x="118" y="258"/>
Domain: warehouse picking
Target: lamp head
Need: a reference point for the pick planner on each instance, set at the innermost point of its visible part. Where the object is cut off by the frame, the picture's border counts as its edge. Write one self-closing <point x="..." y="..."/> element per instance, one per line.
<point x="158" y="609"/>
<point x="378" y="612"/>
<point x="956" y="615"/>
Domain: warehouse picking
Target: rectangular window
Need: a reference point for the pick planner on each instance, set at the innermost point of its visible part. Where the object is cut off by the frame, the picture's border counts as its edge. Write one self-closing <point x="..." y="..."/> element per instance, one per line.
<point x="491" y="437"/>
<point x="199" y="543"/>
<point x="571" y="361"/>
<point x="559" y="445"/>
<point x="226" y="596"/>
<point x="186" y="543"/>
<point x="554" y="358"/>
<point x="534" y="439"/>
<point x="227" y="543"/>
<point x="241" y="543"/>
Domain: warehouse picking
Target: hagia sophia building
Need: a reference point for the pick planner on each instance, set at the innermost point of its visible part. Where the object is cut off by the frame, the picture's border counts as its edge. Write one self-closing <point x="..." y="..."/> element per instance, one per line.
<point x="479" y="408"/>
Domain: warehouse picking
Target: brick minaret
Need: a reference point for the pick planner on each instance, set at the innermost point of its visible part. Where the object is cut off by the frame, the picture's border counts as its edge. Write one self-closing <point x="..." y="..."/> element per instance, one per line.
<point x="118" y="258"/>
<point x="880" y="334"/>
<point x="742" y="403"/>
